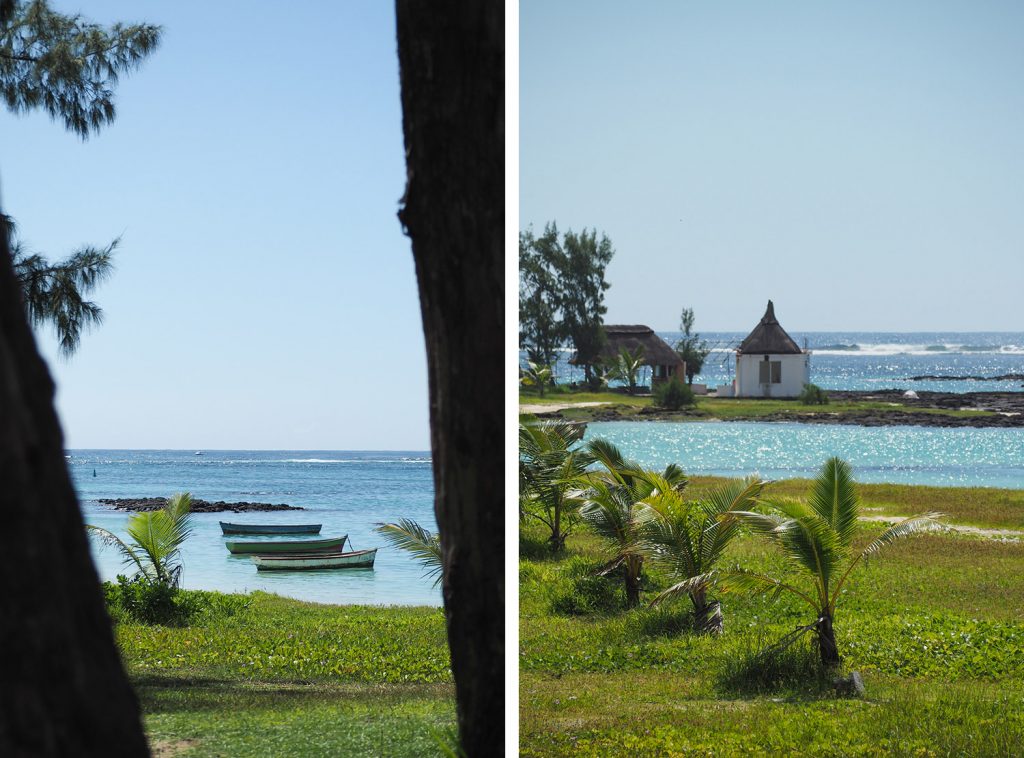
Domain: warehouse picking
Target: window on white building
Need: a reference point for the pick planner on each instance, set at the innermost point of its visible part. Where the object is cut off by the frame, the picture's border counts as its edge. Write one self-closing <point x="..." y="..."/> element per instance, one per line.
<point x="770" y="372"/>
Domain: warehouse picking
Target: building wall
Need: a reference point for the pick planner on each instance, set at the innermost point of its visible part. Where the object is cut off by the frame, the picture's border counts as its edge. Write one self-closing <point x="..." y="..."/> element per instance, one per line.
<point x="795" y="372"/>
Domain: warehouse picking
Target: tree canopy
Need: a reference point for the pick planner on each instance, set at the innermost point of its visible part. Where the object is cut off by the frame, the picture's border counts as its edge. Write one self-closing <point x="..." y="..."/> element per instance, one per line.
<point x="54" y="292"/>
<point x="691" y="348"/>
<point x="561" y="292"/>
<point x="66" y="65"/>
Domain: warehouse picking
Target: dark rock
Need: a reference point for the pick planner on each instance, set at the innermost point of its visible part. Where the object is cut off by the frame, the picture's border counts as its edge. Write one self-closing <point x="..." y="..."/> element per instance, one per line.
<point x="849" y="686"/>
<point x="198" y="506"/>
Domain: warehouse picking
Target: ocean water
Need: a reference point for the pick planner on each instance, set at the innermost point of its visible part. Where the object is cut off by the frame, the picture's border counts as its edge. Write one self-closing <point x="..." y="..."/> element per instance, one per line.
<point x="348" y="492"/>
<point x="875" y="360"/>
<point x="898" y="454"/>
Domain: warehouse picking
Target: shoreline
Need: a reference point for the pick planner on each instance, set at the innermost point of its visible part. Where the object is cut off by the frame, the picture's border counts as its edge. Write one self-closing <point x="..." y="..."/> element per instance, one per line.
<point x="976" y="410"/>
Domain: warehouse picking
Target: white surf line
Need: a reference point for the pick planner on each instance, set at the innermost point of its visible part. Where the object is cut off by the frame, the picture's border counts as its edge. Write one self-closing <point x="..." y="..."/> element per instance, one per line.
<point x="1001" y="534"/>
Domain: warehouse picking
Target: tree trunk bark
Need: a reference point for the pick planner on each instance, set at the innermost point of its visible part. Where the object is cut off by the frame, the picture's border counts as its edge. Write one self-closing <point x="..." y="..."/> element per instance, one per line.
<point x="631" y="569"/>
<point x="62" y="688"/>
<point x="452" y="57"/>
<point x="827" y="642"/>
<point x="707" y="616"/>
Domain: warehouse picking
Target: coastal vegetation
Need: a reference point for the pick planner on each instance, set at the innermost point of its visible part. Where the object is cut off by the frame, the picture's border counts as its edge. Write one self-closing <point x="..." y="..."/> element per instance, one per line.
<point x="260" y="674"/>
<point x="561" y="293"/>
<point x="934" y="629"/>
<point x="691" y="348"/>
<point x="583" y="405"/>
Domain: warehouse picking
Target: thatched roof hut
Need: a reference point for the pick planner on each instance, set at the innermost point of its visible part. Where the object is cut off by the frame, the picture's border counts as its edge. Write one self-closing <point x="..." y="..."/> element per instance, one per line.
<point x="769" y="338"/>
<point x="658" y="354"/>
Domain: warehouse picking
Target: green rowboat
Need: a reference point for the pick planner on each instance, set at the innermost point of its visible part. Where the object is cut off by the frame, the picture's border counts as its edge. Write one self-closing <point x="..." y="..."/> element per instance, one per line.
<point x="286" y="546"/>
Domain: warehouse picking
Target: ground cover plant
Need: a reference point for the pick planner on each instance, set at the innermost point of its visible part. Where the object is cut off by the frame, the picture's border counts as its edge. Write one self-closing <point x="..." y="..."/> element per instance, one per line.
<point x="936" y="629"/>
<point x="264" y="675"/>
<point x="727" y="409"/>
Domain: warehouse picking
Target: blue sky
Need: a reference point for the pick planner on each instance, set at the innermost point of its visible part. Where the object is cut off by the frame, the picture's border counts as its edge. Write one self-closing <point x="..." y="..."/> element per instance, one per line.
<point x="859" y="163"/>
<point x="264" y="296"/>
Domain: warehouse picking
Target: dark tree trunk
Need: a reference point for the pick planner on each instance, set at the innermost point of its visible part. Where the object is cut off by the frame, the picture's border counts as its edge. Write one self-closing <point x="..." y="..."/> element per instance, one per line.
<point x="707" y="615"/>
<point x="631" y="570"/>
<point x="827" y="642"/>
<point x="452" y="59"/>
<point x="62" y="688"/>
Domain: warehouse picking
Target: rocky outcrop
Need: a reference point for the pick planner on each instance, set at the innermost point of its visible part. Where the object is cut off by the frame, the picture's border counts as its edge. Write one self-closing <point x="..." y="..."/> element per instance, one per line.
<point x="198" y="506"/>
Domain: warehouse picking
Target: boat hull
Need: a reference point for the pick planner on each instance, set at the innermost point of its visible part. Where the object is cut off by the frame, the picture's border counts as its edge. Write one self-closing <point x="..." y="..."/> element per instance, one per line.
<point x="314" y="561"/>
<point x="229" y="528"/>
<point x="330" y="544"/>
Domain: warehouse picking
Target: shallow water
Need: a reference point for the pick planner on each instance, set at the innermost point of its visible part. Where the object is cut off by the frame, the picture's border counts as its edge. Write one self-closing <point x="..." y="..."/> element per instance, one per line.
<point x="904" y="455"/>
<point x="348" y="492"/>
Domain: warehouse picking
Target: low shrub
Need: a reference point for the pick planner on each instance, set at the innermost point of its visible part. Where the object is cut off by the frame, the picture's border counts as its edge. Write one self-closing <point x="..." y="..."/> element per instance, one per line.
<point x="590" y="594"/>
<point x="760" y="667"/>
<point x="141" y="600"/>
<point x="813" y="395"/>
<point x="673" y="395"/>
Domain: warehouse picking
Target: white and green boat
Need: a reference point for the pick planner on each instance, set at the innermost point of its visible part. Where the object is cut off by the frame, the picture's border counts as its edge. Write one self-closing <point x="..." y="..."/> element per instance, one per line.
<point x="314" y="561"/>
<point x="335" y="544"/>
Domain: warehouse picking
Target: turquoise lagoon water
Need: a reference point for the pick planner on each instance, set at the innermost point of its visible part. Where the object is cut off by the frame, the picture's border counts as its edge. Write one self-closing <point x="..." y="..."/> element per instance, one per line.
<point x="897" y="454"/>
<point x="349" y="492"/>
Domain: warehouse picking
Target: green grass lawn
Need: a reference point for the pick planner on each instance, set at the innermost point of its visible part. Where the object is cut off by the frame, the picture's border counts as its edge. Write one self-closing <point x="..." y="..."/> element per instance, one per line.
<point x="935" y="626"/>
<point x="264" y="675"/>
<point x="726" y="409"/>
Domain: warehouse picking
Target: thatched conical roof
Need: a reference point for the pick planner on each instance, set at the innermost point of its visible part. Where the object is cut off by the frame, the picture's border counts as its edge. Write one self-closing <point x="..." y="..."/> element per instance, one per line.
<point x="769" y="337"/>
<point x="657" y="352"/>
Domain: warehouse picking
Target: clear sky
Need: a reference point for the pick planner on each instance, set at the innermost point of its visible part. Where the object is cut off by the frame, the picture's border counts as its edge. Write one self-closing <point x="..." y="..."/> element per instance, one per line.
<point x="860" y="163"/>
<point x="265" y="296"/>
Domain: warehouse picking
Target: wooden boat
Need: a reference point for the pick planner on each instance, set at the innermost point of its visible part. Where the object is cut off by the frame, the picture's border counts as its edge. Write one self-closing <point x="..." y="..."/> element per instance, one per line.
<point x="331" y="544"/>
<point x="314" y="561"/>
<point x="229" y="528"/>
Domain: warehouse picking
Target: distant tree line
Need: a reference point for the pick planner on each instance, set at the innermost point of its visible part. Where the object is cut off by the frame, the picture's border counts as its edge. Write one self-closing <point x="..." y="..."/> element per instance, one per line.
<point x="561" y="293"/>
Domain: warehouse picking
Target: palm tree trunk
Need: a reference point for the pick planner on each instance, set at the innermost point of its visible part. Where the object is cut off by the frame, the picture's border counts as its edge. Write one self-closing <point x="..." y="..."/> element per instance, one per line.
<point x="63" y="691"/>
<point x="632" y="567"/>
<point x="707" y="616"/>
<point x="557" y="539"/>
<point x="452" y="65"/>
<point x="827" y="642"/>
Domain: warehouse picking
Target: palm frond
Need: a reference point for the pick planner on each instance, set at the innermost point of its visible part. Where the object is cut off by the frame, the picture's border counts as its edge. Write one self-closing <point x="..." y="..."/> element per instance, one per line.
<point x="685" y="587"/>
<point x="424" y="546"/>
<point x="834" y="498"/>
<point x="739" y="579"/>
<point x="902" y="529"/>
<point x="109" y="539"/>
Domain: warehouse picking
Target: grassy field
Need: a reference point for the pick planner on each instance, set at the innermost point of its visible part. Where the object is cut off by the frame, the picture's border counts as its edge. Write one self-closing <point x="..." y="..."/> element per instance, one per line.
<point x="726" y="409"/>
<point x="935" y="626"/>
<point x="262" y="675"/>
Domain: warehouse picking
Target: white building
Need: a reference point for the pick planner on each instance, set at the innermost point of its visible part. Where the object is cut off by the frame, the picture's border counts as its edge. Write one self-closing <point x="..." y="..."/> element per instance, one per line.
<point x="769" y="363"/>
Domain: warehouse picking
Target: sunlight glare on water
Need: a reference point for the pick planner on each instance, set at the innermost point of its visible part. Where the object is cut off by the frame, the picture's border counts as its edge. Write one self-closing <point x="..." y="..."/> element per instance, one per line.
<point x="904" y="455"/>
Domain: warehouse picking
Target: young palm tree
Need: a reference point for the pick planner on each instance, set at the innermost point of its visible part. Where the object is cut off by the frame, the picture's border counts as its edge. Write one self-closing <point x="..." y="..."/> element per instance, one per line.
<point x="609" y="499"/>
<point x="54" y="292"/>
<point x="816" y="539"/>
<point x="425" y="546"/>
<point x="687" y="539"/>
<point x="536" y="375"/>
<point x="549" y="464"/>
<point x="628" y="366"/>
<point x="156" y="540"/>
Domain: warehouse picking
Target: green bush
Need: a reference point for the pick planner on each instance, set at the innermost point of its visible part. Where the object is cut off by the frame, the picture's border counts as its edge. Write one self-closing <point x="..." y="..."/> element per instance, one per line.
<point x="813" y="395"/>
<point x="590" y="594"/>
<point x="759" y="668"/>
<point x="143" y="601"/>
<point x="673" y="395"/>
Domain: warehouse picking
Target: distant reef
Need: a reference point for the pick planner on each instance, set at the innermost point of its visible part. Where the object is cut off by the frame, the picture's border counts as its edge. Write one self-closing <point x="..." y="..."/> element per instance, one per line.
<point x="936" y="377"/>
<point x="198" y="506"/>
